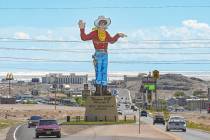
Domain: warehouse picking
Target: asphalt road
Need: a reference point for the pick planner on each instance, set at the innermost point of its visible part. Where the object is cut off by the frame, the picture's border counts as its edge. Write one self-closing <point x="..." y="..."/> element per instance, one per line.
<point x="189" y="135"/>
<point x="24" y="133"/>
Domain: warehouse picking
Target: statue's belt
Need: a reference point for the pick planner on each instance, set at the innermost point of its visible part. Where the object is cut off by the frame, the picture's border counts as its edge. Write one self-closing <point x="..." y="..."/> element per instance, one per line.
<point x="101" y="50"/>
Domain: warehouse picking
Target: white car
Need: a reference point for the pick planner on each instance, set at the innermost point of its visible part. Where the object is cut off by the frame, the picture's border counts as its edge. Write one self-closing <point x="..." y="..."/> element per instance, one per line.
<point x="176" y="123"/>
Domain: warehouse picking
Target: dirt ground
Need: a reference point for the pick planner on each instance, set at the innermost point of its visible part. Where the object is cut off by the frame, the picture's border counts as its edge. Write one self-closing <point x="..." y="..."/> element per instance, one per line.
<point x="24" y="111"/>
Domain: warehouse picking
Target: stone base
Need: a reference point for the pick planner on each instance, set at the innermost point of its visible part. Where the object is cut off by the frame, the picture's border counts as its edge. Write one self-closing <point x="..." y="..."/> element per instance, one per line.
<point x="101" y="108"/>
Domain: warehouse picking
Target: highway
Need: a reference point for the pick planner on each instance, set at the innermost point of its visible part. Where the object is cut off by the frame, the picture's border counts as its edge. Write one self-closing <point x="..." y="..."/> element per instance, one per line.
<point x="24" y="133"/>
<point x="189" y="135"/>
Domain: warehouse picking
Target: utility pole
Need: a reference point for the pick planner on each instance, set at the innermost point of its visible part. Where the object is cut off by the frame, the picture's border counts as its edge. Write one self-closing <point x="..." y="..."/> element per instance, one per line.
<point x="139" y="120"/>
<point x="55" y="98"/>
<point x="156" y="101"/>
<point x="200" y="105"/>
<point x="156" y="76"/>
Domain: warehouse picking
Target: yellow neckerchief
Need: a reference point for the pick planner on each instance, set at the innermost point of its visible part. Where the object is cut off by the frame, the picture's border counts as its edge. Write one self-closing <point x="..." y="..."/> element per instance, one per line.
<point x="101" y="34"/>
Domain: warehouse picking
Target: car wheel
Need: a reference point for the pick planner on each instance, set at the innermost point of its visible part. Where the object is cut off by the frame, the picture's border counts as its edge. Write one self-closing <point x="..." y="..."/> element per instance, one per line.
<point x="184" y="130"/>
<point x="37" y="136"/>
<point x="59" y="136"/>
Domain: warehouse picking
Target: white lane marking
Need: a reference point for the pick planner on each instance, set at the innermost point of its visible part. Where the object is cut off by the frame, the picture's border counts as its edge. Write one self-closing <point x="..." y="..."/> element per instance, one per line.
<point x="14" y="134"/>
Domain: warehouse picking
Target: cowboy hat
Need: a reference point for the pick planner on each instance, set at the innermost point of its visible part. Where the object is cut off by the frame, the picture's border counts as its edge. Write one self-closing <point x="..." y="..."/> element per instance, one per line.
<point x="102" y="18"/>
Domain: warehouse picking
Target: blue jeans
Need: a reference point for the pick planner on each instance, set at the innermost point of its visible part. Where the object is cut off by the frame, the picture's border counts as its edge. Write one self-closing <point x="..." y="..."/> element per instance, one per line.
<point x="101" y="67"/>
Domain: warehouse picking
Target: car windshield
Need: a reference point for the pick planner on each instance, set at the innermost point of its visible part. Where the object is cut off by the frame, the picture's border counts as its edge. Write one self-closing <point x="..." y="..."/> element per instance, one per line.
<point x="35" y="118"/>
<point x="159" y="117"/>
<point x="47" y="122"/>
<point x="177" y="119"/>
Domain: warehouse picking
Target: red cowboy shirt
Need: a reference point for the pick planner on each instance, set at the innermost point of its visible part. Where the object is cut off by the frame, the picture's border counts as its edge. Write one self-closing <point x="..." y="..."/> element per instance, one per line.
<point x="97" y="43"/>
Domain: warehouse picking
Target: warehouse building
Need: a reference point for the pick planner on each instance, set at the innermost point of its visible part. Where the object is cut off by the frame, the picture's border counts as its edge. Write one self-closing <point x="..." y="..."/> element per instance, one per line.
<point x="65" y="79"/>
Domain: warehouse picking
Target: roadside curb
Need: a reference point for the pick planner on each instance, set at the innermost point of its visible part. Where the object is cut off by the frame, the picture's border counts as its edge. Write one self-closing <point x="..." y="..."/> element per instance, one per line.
<point x="169" y="134"/>
<point x="10" y="133"/>
<point x="12" y="130"/>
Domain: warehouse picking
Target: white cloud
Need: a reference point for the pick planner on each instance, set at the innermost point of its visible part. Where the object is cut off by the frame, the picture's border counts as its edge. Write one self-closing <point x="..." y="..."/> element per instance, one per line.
<point x="21" y="35"/>
<point x="194" y="24"/>
<point x="190" y="29"/>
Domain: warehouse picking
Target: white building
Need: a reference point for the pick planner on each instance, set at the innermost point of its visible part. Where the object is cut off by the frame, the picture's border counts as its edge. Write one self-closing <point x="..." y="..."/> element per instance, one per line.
<point x="59" y="78"/>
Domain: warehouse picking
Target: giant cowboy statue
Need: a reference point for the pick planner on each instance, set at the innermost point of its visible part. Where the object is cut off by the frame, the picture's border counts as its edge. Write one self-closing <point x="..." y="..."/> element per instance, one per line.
<point x="100" y="38"/>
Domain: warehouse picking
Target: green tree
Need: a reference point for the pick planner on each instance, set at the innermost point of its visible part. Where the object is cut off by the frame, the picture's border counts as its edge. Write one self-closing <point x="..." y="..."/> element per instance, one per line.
<point x="80" y="101"/>
<point x="199" y="93"/>
<point x="179" y="94"/>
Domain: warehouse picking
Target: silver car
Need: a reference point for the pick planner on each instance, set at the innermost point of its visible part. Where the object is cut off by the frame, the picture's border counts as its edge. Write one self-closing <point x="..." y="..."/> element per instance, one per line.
<point x="176" y="123"/>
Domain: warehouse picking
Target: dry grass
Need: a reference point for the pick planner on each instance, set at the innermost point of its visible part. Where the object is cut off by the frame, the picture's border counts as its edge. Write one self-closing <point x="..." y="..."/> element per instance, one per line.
<point x="4" y="123"/>
<point x="200" y="126"/>
<point x="24" y="111"/>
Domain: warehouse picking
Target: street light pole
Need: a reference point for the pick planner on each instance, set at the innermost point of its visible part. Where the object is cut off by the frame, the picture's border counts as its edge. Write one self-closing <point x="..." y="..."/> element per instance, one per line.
<point x="156" y="76"/>
<point x="200" y="105"/>
<point x="139" y="121"/>
<point x="55" y="95"/>
<point x="156" y="106"/>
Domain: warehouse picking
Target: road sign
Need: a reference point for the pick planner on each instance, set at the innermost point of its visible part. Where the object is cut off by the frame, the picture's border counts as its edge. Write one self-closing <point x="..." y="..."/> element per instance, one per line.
<point x="156" y="74"/>
<point x="150" y="87"/>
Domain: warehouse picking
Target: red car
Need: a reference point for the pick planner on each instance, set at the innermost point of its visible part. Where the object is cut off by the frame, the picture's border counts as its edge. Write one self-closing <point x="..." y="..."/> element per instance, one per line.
<point x="48" y="127"/>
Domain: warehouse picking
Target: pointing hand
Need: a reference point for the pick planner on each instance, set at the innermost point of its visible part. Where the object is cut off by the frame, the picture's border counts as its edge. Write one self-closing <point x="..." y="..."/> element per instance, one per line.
<point x="122" y="35"/>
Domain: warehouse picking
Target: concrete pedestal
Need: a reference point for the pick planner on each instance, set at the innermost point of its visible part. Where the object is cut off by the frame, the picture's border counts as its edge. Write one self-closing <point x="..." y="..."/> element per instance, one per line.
<point x="101" y="108"/>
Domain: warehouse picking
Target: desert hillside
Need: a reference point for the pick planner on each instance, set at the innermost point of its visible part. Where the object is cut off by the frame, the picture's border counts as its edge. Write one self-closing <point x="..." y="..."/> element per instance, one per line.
<point x="168" y="84"/>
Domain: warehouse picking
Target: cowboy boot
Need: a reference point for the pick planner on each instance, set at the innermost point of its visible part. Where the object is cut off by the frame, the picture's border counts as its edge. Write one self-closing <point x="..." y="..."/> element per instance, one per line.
<point x="98" y="88"/>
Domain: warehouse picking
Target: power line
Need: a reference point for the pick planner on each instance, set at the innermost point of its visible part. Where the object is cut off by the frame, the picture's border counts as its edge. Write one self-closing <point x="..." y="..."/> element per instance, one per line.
<point x="25" y="59"/>
<point x="82" y="51"/>
<point x="105" y="7"/>
<point x="39" y="40"/>
<point x="91" y="50"/>
<point x="145" y="40"/>
<point x="175" y="41"/>
<point x="93" y="75"/>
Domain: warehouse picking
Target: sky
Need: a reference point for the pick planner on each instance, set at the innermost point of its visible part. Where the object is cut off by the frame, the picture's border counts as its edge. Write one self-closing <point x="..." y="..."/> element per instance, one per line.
<point x="143" y="21"/>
